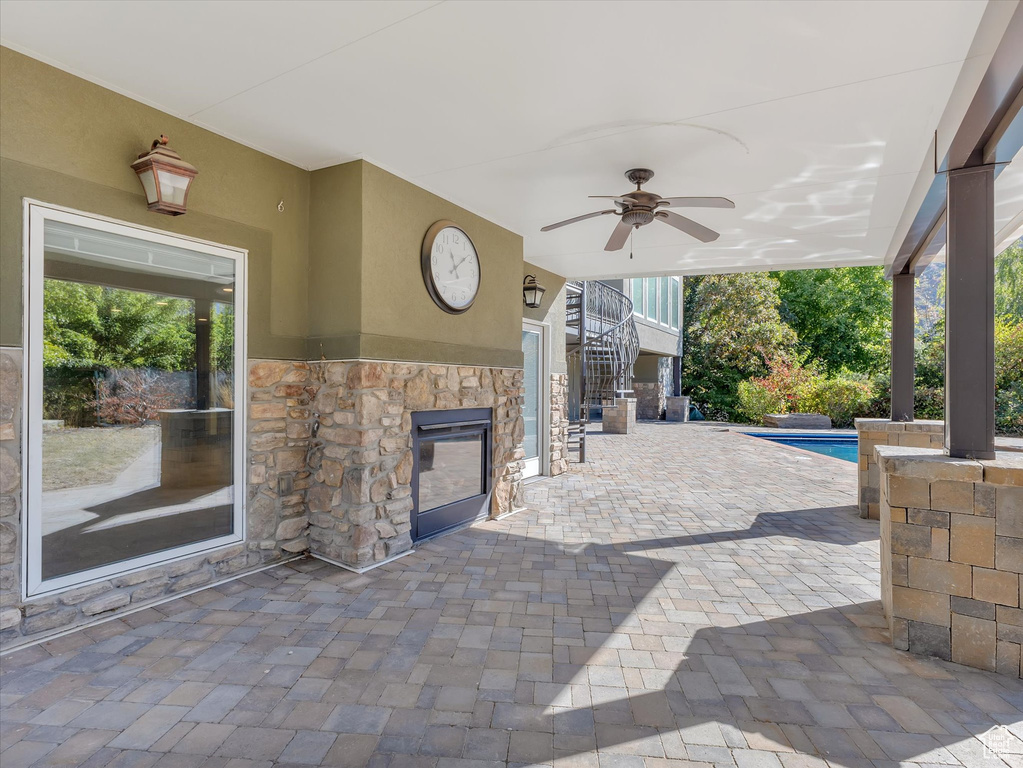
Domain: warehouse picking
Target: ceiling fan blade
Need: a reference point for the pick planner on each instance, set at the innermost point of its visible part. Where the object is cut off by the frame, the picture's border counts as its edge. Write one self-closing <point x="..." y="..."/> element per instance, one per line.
<point x="690" y="227"/>
<point x="697" y="202"/>
<point x="618" y="237"/>
<point x="573" y="220"/>
<point x="611" y="197"/>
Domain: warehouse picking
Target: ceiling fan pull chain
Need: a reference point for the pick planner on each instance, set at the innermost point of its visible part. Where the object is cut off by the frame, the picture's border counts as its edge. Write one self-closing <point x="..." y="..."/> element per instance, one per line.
<point x="632" y="236"/>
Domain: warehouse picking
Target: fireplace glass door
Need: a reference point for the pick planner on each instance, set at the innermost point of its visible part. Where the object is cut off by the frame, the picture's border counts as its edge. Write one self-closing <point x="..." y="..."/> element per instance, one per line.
<point x="451" y="469"/>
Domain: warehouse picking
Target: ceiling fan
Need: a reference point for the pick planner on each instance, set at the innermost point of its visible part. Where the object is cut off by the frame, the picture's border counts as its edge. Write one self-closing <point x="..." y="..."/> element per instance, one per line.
<point x="639" y="208"/>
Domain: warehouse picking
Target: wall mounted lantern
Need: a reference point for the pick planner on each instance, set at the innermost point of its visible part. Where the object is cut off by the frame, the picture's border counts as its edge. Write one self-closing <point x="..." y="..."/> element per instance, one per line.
<point x="532" y="292"/>
<point x="165" y="178"/>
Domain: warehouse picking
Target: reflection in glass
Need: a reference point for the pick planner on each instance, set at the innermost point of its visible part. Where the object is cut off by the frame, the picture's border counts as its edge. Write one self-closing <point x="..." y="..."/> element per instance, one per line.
<point x="531" y="378"/>
<point x="674" y="302"/>
<point x="450" y="469"/>
<point x="138" y="398"/>
<point x="637" y="295"/>
<point x="664" y="300"/>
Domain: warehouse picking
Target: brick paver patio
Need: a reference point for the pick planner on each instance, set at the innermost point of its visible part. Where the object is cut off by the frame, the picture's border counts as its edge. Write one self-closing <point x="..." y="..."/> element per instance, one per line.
<point x="689" y="595"/>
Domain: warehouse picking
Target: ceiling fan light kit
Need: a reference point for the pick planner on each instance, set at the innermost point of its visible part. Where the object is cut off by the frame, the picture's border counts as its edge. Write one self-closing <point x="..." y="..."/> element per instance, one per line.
<point x="638" y="208"/>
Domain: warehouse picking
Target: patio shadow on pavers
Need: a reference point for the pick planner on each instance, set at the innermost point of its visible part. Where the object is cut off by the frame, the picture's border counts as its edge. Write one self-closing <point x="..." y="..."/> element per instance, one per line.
<point x="489" y="643"/>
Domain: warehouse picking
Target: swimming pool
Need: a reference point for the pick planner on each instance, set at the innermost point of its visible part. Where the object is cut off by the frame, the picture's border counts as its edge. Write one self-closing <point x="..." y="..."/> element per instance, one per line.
<point x="838" y="446"/>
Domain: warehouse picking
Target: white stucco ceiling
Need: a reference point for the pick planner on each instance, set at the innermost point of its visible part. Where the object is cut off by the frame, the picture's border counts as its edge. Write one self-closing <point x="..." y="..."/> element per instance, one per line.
<point x="816" y="118"/>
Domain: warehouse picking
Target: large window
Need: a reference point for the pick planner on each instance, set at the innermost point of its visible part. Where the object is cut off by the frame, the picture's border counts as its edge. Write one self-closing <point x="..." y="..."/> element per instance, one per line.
<point x="135" y="447"/>
<point x="657" y="299"/>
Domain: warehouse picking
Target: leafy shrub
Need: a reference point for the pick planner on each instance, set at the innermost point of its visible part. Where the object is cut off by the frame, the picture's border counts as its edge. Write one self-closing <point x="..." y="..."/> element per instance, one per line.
<point x="1009" y="410"/>
<point x="757" y="399"/>
<point x="841" y="398"/>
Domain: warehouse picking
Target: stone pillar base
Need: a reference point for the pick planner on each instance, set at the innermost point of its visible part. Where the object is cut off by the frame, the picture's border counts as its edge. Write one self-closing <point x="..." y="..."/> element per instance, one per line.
<point x="677" y="408"/>
<point x="874" y="432"/>
<point x="649" y="399"/>
<point x="952" y="555"/>
<point x="620" y="419"/>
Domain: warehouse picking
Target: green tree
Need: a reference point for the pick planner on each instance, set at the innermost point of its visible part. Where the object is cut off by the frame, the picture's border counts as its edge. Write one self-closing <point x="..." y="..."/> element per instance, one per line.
<point x="88" y="326"/>
<point x="842" y="316"/>
<point x="731" y="330"/>
<point x="1009" y="282"/>
<point x="222" y="337"/>
<point x="144" y="330"/>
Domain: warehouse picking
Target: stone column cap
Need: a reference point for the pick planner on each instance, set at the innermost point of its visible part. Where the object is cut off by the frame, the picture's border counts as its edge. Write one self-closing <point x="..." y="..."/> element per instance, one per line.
<point x="887" y="425"/>
<point x="933" y="464"/>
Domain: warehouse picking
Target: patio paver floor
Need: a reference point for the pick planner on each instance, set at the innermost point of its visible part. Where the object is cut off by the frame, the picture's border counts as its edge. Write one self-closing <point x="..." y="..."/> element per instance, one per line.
<point x="690" y="597"/>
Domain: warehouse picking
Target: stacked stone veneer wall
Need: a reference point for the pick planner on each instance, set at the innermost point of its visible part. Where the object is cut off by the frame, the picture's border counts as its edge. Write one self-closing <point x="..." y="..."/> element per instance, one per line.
<point x="276" y="521"/>
<point x="559" y="423"/>
<point x="360" y="498"/>
<point x="328" y="470"/>
<point x="871" y="433"/>
<point x="952" y="555"/>
<point x="10" y="491"/>
<point x="650" y="399"/>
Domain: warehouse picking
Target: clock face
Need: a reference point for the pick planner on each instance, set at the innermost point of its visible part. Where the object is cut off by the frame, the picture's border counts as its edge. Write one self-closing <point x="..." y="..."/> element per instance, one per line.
<point x="451" y="267"/>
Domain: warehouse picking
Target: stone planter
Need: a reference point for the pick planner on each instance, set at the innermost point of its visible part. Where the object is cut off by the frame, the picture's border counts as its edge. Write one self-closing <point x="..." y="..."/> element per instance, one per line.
<point x="797" y="420"/>
<point x="677" y="408"/>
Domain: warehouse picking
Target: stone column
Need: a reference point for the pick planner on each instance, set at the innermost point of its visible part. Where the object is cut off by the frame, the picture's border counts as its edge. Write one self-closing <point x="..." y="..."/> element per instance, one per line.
<point x="620" y="419"/>
<point x="952" y="555"/>
<point x="650" y="399"/>
<point x="871" y="433"/>
<point x="676" y="408"/>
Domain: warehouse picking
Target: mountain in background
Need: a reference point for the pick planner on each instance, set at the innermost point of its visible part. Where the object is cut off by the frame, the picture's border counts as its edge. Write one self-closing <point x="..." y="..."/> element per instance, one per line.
<point x="930" y="297"/>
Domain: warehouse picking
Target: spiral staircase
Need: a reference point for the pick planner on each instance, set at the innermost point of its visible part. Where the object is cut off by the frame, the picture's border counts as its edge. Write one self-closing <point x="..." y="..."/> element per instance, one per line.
<point x="603" y="345"/>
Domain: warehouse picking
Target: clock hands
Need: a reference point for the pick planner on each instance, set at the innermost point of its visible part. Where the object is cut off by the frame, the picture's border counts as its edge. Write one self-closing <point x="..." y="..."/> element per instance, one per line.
<point x="454" y="270"/>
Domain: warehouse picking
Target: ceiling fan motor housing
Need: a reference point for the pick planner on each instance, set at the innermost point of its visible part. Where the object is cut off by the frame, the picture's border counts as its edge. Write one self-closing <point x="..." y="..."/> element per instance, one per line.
<point x="637" y="217"/>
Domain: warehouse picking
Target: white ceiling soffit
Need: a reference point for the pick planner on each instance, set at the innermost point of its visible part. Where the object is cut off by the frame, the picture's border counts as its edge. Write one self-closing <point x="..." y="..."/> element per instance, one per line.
<point x="816" y="118"/>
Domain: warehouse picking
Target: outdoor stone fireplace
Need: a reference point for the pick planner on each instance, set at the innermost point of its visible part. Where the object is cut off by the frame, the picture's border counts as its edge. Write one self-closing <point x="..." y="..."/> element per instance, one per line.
<point x="360" y="498"/>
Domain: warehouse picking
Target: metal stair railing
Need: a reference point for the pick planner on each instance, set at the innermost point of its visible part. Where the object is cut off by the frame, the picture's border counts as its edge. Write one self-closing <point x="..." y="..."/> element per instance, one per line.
<point x="603" y="355"/>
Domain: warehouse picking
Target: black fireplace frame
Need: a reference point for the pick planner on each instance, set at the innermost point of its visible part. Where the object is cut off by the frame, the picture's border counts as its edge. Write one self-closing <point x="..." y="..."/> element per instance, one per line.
<point x="437" y="425"/>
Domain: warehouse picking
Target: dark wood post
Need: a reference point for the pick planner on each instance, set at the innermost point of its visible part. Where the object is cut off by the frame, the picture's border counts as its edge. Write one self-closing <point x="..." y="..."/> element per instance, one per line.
<point x="970" y="314"/>
<point x="903" y="368"/>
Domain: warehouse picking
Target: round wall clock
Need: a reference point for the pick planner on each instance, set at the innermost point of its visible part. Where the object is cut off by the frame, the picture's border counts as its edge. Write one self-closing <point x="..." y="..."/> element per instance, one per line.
<point x="451" y="267"/>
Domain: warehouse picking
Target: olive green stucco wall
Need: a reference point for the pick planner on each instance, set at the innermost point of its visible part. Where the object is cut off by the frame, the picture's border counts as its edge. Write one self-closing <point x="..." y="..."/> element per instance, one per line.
<point x="647" y="368"/>
<point x="551" y="311"/>
<point x="335" y="243"/>
<point x="69" y="142"/>
<point x="399" y="319"/>
<point x="336" y="274"/>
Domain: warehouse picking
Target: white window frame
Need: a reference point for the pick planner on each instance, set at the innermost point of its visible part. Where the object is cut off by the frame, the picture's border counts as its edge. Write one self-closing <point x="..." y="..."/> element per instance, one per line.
<point x="36" y="214"/>
<point x="647" y="281"/>
<point x="675" y="319"/>
<point x="637" y="306"/>
<point x="543" y="425"/>
<point x="663" y="301"/>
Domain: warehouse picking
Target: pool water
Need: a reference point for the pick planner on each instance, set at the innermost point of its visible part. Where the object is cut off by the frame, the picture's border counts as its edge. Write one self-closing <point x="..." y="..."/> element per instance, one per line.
<point x="839" y="446"/>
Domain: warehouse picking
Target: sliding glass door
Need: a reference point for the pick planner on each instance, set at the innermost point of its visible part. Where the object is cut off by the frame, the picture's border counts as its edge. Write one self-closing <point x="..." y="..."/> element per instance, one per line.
<point x="534" y="410"/>
<point x="135" y="367"/>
